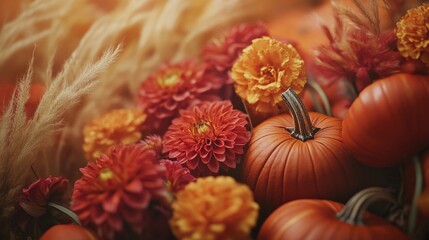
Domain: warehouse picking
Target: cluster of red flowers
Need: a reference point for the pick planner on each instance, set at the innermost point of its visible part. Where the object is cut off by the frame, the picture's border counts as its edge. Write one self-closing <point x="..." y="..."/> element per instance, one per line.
<point x="139" y="161"/>
<point x="192" y="133"/>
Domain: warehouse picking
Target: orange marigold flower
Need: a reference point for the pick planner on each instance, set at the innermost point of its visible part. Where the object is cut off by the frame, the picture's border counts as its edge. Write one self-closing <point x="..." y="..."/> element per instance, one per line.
<point x="264" y="70"/>
<point x="214" y="208"/>
<point x="412" y="31"/>
<point x="171" y="88"/>
<point x="207" y="137"/>
<point x="121" y="191"/>
<point x="118" y="126"/>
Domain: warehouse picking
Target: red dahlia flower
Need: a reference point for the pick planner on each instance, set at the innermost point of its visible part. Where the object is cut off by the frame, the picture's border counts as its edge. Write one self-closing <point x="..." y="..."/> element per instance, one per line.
<point x="171" y="88"/>
<point x="121" y="192"/>
<point x="31" y="216"/>
<point x="207" y="137"/>
<point x="154" y="142"/>
<point x="177" y="176"/>
<point x="219" y="55"/>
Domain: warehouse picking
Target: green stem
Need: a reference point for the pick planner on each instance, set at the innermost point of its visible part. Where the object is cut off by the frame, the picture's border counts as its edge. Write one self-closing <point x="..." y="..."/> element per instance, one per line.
<point x="65" y="211"/>
<point x="304" y="129"/>
<point x="355" y="208"/>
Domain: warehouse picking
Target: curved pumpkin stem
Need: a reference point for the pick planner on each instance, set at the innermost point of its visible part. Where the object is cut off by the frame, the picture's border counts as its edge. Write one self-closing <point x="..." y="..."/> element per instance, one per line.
<point x="355" y="208"/>
<point x="303" y="129"/>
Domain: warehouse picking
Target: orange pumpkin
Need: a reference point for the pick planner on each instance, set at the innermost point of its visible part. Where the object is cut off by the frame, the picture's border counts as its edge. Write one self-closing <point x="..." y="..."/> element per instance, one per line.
<point x="387" y="124"/>
<point x="307" y="219"/>
<point x="68" y="232"/>
<point x="284" y="163"/>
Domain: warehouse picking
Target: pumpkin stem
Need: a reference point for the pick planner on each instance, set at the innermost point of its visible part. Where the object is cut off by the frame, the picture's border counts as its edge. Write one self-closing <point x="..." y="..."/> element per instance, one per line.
<point x="354" y="209"/>
<point x="303" y="129"/>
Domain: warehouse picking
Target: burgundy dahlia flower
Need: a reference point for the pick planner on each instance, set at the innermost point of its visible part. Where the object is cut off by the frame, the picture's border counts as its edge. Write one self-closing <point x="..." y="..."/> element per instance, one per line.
<point x="171" y="88"/>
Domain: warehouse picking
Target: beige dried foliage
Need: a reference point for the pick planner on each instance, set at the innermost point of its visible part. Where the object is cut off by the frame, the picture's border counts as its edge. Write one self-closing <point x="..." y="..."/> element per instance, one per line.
<point x="71" y="38"/>
<point x="24" y="138"/>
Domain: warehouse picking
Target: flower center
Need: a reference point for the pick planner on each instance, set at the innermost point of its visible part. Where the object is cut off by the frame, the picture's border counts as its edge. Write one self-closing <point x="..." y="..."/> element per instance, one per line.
<point x="169" y="79"/>
<point x="106" y="174"/>
<point x="202" y="127"/>
<point x="267" y="74"/>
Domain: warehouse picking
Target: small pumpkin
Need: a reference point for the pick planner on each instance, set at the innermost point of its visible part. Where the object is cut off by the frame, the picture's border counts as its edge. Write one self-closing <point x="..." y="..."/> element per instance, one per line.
<point x="68" y="232"/>
<point x="284" y="163"/>
<point x="308" y="219"/>
<point x="387" y="124"/>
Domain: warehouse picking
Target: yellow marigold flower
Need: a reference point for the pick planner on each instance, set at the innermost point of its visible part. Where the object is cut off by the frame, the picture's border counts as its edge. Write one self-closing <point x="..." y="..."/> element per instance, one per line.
<point x="266" y="68"/>
<point x="412" y="31"/>
<point x="214" y="208"/>
<point x="118" y="126"/>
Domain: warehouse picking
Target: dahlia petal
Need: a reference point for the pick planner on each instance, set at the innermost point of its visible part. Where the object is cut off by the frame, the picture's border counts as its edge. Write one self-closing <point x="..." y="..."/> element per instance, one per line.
<point x="191" y="154"/>
<point x="219" y="143"/>
<point x="231" y="163"/>
<point x="137" y="201"/>
<point x="219" y="157"/>
<point x="98" y="215"/>
<point x="230" y="154"/>
<point x="213" y="166"/>
<point x="178" y="97"/>
<point x="170" y="105"/>
<point x="111" y="203"/>
<point x="229" y="144"/>
<point x="135" y="186"/>
<point x="204" y="153"/>
<point x="192" y="163"/>
<point x="207" y="148"/>
<point x="218" y="150"/>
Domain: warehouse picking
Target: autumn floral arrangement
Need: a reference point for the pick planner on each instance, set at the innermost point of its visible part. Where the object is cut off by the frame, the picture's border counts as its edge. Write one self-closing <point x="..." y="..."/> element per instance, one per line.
<point x="217" y="142"/>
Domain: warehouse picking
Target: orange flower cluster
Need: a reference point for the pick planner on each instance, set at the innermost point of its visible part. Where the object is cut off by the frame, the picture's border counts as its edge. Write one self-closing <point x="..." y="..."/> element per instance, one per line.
<point x="115" y="127"/>
<point x="266" y="69"/>
<point x="412" y="31"/>
<point x="214" y="208"/>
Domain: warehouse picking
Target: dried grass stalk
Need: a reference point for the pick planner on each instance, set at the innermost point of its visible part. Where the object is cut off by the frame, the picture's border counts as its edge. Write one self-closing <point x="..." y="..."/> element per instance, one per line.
<point x="23" y="139"/>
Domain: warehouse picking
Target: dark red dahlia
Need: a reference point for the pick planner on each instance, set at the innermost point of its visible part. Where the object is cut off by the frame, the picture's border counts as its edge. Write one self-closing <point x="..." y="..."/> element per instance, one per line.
<point x="177" y="176"/>
<point x="220" y="55"/>
<point x="154" y="142"/>
<point x="171" y="88"/>
<point x="32" y="217"/>
<point x="122" y="193"/>
<point x="207" y="137"/>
